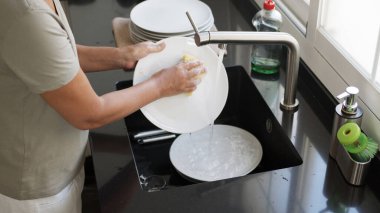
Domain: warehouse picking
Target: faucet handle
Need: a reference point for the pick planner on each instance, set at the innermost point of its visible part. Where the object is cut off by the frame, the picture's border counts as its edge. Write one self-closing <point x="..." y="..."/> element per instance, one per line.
<point x="349" y="104"/>
<point x="197" y="37"/>
<point x="192" y="22"/>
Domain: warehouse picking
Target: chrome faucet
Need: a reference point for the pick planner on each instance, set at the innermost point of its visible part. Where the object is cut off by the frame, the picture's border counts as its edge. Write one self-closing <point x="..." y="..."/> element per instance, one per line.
<point x="237" y="37"/>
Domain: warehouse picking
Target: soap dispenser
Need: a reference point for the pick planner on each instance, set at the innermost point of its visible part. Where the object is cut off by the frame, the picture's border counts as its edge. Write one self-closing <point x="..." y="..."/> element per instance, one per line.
<point x="348" y="111"/>
<point x="353" y="171"/>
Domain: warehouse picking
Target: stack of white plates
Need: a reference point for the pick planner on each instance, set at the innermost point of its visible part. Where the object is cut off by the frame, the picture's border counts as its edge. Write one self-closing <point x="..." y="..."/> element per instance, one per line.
<point x="159" y="19"/>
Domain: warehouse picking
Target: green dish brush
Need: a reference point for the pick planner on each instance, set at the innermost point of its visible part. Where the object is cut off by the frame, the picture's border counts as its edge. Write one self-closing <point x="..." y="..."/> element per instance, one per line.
<point x="360" y="147"/>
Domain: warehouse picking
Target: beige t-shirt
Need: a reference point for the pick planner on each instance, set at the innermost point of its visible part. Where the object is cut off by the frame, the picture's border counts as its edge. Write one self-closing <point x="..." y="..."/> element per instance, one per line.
<point x="40" y="153"/>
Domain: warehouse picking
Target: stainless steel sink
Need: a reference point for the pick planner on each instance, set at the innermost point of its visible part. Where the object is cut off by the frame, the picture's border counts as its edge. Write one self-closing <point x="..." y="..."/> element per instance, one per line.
<point x="245" y="108"/>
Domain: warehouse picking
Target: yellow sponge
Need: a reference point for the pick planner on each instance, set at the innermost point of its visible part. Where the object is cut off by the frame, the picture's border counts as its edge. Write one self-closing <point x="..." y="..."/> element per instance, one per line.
<point x="188" y="58"/>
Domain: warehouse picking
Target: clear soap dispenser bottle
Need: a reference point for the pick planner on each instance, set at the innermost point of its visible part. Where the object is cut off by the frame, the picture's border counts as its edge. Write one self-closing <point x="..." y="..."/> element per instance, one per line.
<point x="266" y="58"/>
<point x="348" y="111"/>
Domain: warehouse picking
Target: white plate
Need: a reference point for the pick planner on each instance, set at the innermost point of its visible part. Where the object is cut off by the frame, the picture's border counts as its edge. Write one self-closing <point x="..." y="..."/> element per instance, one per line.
<point x="134" y="29"/>
<point x="207" y="25"/>
<point x="185" y="113"/>
<point x="169" y="16"/>
<point x="216" y="153"/>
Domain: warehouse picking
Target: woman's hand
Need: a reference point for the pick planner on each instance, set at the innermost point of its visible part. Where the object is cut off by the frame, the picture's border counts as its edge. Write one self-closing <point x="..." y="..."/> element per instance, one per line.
<point x="179" y="78"/>
<point x="131" y="54"/>
<point x="93" y="59"/>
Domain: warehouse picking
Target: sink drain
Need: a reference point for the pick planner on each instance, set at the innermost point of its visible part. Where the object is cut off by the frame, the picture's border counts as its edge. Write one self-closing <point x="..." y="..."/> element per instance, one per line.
<point x="152" y="183"/>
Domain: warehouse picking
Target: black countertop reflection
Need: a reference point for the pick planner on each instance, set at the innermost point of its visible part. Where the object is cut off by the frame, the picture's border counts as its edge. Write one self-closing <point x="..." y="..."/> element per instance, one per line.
<point x="315" y="186"/>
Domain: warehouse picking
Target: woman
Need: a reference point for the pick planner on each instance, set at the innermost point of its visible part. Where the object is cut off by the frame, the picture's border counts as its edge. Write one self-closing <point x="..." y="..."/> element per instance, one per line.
<point x="48" y="105"/>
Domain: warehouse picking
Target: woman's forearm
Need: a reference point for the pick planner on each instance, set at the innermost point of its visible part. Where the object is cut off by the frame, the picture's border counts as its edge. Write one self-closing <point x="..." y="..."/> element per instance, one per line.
<point x="93" y="59"/>
<point x="78" y="103"/>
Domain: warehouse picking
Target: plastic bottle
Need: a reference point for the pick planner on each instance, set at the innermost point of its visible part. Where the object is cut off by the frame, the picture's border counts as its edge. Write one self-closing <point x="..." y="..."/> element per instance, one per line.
<point x="266" y="58"/>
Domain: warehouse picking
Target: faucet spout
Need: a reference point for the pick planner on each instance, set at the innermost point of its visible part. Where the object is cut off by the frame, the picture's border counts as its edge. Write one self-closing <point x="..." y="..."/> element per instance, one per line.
<point x="235" y="37"/>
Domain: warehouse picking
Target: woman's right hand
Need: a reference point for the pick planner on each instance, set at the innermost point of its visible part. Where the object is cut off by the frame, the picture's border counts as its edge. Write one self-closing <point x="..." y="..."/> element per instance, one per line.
<point x="179" y="78"/>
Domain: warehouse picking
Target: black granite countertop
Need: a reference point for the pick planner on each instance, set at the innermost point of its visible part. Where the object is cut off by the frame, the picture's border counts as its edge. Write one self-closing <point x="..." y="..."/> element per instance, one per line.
<point x="315" y="186"/>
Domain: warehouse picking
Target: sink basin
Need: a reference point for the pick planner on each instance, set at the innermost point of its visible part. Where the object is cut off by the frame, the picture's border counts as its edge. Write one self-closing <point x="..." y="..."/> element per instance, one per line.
<point x="245" y="108"/>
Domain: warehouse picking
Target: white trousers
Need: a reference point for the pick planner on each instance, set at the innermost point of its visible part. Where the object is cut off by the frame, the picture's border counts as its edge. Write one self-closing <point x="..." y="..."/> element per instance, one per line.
<point x="66" y="201"/>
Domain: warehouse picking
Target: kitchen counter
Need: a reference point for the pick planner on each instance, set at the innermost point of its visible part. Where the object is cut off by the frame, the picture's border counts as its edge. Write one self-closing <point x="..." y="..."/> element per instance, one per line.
<point x="315" y="186"/>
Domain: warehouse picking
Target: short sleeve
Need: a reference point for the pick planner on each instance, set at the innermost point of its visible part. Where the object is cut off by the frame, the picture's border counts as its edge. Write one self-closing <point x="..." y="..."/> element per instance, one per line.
<point x="38" y="50"/>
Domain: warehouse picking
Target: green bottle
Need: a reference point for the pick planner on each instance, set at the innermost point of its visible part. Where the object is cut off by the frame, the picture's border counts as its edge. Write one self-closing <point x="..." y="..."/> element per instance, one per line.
<point x="266" y="58"/>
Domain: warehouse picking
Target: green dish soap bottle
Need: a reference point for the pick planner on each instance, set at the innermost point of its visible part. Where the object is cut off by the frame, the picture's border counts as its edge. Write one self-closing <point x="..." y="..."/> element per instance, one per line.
<point x="266" y="58"/>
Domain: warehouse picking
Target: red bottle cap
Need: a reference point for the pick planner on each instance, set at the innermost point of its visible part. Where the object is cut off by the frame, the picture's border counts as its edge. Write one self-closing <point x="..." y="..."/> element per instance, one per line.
<point x="269" y="4"/>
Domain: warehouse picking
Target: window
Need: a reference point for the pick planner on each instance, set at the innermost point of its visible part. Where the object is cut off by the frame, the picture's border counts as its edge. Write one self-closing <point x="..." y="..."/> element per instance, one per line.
<point x="340" y="42"/>
<point x="298" y="8"/>
<point x="354" y="32"/>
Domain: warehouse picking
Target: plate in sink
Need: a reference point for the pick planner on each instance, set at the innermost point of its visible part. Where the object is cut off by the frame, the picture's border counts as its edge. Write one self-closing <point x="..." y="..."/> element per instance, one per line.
<point x="185" y="113"/>
<point x="216" y="153"/>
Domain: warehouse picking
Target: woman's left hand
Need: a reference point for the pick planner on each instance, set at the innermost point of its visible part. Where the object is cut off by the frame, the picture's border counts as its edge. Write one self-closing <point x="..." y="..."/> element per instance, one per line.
<point x="132" y="53"/>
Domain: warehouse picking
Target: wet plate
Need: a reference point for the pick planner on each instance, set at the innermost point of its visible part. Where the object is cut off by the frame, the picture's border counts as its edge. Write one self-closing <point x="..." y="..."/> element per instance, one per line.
<point x="216" y="153"/>
<point x="185" y="113"/>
